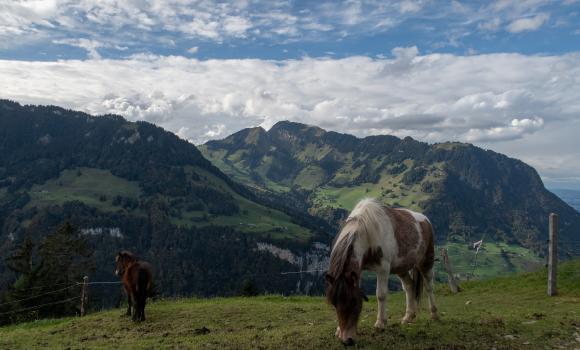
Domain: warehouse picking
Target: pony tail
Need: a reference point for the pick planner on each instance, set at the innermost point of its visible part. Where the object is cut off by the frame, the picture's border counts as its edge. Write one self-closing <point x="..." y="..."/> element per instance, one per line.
<point x="418" y="281"/>
<point x="142" y="282"/>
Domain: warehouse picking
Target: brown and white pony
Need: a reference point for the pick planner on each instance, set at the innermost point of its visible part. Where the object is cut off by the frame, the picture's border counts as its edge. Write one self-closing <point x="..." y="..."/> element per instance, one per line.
<point x="137" y="279"/>
<point x="384" y="240"/>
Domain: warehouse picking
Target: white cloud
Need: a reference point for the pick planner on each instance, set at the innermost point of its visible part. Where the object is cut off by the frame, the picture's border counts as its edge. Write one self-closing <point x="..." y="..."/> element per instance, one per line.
<point x="494" y="99"/>
<point x="216" y="132"/>
<point x="90" y="46"/>
<point x="410" y="6"/>
<point x="514" y="130"/>
<point x="236" y="26"/>
<point x="193" y="50"/>
<point x="182" y="132"/>
<point x="528" y="24"/>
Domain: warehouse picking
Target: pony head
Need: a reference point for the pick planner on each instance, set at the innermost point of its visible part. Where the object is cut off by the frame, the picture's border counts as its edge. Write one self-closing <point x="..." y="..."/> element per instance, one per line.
<point x="122" y="260"/>
<point x="347" y="298"/>
<point x="343" y="290"/>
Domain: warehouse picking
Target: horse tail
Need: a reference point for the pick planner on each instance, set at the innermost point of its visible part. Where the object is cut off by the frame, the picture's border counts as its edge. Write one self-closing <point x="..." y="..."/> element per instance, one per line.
<point x="142" y="283"/>
<point x="418" y="281"/>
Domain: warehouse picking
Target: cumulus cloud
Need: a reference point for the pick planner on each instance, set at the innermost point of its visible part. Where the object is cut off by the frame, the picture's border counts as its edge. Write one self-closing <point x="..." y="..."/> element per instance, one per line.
<point x="457" y="97"/>
<point x="514" y="130"/>
<point x="528" y="24"/>
<point x="492" y="99"/>
<point x="217" y="131"/>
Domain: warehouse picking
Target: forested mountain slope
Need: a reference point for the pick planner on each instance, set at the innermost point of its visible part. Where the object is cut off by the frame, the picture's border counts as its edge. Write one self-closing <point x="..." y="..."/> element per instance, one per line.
<point x="136" y="186"/>
<point x="468" y="192"/>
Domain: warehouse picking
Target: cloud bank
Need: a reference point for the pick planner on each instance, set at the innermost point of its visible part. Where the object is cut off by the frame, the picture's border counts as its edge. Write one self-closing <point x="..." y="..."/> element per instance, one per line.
<point x="490" y="100"/>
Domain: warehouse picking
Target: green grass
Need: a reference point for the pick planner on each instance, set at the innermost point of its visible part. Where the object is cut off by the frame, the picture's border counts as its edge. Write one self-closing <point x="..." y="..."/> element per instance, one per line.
<point x="87" y="185"/>
<point x="490" y="260"/>
<point x="511" y="312"/>
<point x="252" y="218"/>
<point x="390" y="190"/>
<point x="347" y="197"/>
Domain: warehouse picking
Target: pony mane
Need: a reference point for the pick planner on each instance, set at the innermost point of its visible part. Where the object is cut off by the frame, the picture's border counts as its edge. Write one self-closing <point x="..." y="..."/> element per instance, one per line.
<point x="128" y="254"/>
<point x="368" y="212"/>
<point x="362" y="220"/>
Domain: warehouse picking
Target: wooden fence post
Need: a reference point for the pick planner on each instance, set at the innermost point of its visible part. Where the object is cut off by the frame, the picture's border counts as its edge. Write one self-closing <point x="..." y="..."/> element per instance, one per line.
<point x="450" y="278"/>
<point x="84" y="295"/>
<point x="553" y="256"/>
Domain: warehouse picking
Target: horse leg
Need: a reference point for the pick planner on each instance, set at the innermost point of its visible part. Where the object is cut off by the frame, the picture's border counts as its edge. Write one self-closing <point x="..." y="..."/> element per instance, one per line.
<point x="428" y="279"/>
<point x="129" y="299"/>
<point x="143" y="302"/>
<point x="136" y="308"/>
<point x="141" y="306"/>
<point x="129" y="302"/>
<point x="409" y="288"/>
<point x="382" y="289"/>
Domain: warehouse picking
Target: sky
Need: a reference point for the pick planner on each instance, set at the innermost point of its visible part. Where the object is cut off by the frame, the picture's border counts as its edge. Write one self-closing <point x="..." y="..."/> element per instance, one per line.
<point x="503" y="74"/>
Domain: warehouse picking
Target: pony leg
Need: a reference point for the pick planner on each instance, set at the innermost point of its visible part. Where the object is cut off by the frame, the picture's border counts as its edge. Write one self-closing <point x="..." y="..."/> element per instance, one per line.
<point x="428" y="278"/>
<point x="136" y="308"/>
<point x="409" y="288"/>
<point x="140" y="307"/>
<point x="382" y="289"/>
<point x="143" y="302"/>
<point x="129" y="303"/>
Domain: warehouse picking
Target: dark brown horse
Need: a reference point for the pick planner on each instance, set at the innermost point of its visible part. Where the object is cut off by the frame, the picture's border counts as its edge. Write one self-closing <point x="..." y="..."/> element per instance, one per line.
<point x="387" y="241"/>
<point x="137" y="278"/>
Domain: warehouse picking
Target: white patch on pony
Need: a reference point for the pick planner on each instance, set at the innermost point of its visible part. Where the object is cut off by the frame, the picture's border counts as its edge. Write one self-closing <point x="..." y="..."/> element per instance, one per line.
<point x="417" y="216"/>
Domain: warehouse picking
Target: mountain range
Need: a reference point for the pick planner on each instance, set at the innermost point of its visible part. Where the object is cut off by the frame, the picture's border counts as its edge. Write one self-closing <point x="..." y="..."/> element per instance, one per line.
<point x="467" y="192"/>
<point x="252" y="205"/>
<point x="135" y="186"/>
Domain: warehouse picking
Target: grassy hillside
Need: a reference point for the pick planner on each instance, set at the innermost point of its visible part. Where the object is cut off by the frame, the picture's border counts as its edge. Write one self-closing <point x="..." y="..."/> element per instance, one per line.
<point x="494" y="259"/>
<point x="98" y="188"/>
<point x="506" y="313"/>
<point x="95" y="187"/>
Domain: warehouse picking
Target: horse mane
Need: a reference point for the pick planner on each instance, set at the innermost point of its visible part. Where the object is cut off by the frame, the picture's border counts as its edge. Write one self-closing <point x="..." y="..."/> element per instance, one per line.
<point x="341" y="252"/>
<point x="127" y="254"/>
<point x="362" y="220"/>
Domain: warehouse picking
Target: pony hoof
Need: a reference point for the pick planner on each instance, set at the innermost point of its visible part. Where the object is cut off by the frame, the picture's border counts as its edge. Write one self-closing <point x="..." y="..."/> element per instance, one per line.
<point x="408" y="319"/>
<point x="379" y="325"/>
<point x="435" y="317"/>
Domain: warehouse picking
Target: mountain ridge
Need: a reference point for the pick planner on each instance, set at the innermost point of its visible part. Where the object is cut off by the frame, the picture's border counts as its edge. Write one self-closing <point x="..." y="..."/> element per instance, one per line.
<point x="133" y="185"/>
<point x="469" y="192"/>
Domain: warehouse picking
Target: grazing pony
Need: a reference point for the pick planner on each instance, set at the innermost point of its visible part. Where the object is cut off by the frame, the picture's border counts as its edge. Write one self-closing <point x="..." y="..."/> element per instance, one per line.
<point x="385" y="240"/>
<point x="137" y="278"/>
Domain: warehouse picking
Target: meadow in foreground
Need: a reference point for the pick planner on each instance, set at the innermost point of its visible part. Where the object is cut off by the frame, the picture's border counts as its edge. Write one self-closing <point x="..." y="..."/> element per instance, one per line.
<point x="506" y="313"/>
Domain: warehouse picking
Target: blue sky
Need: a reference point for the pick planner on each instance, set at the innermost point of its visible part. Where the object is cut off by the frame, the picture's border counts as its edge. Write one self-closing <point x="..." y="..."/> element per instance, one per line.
<point x="50" y="29"/>
<point x="501" y="74"/>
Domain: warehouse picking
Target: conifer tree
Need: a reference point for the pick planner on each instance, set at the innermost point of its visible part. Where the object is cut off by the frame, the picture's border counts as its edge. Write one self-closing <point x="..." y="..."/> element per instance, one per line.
<point x="48" y="275"/>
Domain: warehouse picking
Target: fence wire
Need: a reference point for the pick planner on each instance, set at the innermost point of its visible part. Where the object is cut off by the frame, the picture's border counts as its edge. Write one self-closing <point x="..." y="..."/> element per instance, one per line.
<point x="37" y="296"/>
<point x="39" y="306"/>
